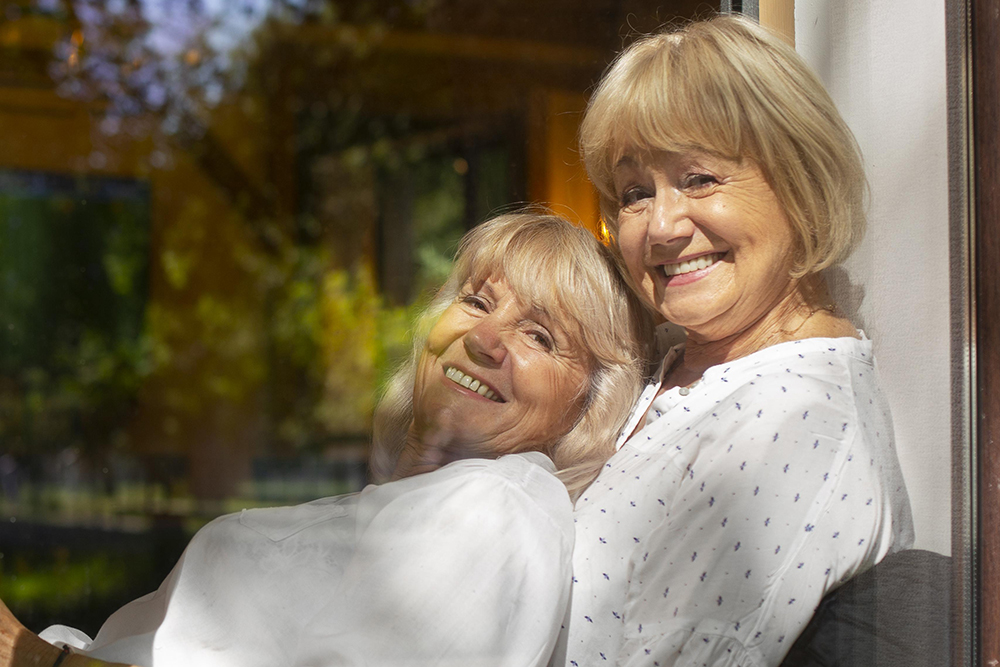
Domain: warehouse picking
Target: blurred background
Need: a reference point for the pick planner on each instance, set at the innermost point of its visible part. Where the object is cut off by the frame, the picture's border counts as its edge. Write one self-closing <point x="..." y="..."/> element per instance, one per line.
<point x="217" y="220"/>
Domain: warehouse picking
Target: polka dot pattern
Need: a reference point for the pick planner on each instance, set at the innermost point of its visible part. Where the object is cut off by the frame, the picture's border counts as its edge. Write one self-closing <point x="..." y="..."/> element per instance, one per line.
<point x="713" y="533"/>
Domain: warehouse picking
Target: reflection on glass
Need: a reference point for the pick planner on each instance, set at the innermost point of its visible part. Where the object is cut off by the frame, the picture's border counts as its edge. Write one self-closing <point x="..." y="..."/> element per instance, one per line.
<point x="216" y="221"/>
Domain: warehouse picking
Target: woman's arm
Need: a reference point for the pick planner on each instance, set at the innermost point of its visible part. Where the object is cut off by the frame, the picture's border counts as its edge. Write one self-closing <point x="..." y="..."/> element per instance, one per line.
<point x="20" y="647"/>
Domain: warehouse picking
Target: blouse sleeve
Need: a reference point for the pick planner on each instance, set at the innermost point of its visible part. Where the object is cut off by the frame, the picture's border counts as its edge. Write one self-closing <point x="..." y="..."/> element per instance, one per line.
<point x="785" y="501"/>
<point x="473" y="569"/>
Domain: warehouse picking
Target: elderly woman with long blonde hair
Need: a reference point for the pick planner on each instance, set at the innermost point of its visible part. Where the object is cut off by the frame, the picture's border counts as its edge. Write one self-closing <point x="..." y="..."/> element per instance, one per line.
<point x="757" y="471"/>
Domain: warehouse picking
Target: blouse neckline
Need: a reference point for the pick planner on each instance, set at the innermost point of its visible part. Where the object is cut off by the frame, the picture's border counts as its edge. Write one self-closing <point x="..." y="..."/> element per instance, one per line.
<point x="859" y="347"/>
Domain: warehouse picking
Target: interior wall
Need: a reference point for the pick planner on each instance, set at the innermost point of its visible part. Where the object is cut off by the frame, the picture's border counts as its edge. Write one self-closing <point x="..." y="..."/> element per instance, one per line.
<point x="884" y="64"/>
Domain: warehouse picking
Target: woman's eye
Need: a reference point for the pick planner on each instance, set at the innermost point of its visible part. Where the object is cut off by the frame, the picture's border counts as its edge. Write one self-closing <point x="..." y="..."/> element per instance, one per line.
<point x="699" y="180"/>
<point x="632" y="196"/>
<point x="542" y="339"/>
<point x="476" y="302"/>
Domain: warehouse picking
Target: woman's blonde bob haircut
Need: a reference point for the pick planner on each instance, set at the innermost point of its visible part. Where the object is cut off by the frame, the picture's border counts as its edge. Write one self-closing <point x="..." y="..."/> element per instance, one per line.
<point x="553" y="264"/>
<point x="733" y="89"/>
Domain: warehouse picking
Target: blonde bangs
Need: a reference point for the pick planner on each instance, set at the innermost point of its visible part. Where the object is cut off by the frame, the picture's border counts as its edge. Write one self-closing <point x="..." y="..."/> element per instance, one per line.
<point x="664" y="95"/>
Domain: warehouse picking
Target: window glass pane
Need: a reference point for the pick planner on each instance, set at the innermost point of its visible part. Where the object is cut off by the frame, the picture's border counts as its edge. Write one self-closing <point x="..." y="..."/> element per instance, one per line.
<point x="217" y="221"/>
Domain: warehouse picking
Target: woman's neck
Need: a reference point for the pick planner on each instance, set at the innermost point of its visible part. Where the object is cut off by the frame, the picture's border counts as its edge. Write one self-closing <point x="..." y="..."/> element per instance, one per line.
<point x="807" y="311"/>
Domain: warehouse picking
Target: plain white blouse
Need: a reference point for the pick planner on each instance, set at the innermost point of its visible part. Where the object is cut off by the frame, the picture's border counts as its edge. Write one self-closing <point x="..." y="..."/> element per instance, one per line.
<point x="466" y="565"/>
<point x="710" y="537"/>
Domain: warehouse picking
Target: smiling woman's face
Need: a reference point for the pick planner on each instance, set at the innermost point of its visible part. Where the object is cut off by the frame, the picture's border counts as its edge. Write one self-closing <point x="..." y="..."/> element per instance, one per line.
<point x="497" y="376"/>
<point x="705" y="240"/>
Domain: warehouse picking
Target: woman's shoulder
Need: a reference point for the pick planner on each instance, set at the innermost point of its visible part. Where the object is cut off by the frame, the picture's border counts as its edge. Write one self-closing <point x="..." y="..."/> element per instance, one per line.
<point x="825" y="384"/>
<point x="511" y="465"/>
<point x="522" y="470"/>
<point x="523" y="483"/>
<point x="530" y="475"/>
<point x="842" y="364"/>
<point x="815" y="354"/>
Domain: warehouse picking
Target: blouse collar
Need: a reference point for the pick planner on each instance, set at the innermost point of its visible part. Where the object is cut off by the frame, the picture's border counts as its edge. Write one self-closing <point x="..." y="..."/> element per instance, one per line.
<point x="665" y="333"/>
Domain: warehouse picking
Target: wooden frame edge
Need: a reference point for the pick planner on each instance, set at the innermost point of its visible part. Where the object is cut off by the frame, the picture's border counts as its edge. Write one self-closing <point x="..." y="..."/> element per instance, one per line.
<point x="985" y="80"/>
<point x="962" y="261"/>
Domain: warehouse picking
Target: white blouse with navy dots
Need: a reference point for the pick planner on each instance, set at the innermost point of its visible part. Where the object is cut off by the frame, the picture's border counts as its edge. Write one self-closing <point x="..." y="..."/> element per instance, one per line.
<point x="712" y="534"/>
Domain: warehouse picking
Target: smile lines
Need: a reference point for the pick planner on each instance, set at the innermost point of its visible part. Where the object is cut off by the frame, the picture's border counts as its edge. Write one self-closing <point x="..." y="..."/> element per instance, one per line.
<point x="472" y="383"/>
<point x="695" y="264"/>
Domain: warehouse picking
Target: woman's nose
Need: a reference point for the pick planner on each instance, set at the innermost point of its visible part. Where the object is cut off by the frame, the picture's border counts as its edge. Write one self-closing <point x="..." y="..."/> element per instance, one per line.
<point x="671" y="219"/>
<point x="484" y="343"/>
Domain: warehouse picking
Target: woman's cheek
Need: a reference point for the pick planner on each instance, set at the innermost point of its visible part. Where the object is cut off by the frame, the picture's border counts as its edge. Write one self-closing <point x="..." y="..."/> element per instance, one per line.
<point x="631" y="244"/>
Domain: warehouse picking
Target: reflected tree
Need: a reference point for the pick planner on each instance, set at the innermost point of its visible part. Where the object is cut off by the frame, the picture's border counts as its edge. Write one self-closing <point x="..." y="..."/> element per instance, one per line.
<point x="264" y="296"/>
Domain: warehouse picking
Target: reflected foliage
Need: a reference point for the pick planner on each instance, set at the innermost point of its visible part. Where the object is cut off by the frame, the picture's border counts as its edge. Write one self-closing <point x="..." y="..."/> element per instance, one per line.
<point x="210" y="330"/>
<point x="181" y="59"/>
<point x="73" y="288"/>
<point x="220" y="84"/>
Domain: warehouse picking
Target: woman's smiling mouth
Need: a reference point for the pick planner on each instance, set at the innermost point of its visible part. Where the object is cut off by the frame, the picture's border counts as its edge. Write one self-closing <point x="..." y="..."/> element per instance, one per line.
<point x="691" y="265"/>
<point x="471" y="383"/>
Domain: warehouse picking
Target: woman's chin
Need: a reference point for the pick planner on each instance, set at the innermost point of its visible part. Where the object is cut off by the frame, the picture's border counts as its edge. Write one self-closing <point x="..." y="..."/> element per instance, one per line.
<point x="689" y="314"/>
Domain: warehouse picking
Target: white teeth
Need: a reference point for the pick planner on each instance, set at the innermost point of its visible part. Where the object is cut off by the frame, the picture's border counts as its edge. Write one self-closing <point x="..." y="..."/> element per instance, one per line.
<point x="695" y="264"/>
<point x="470" y="382"/>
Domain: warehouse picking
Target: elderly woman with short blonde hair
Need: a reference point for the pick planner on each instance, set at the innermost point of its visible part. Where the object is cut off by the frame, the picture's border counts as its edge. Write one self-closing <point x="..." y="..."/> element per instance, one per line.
<point x="757" y="471"/>
<point x="557" y="271"/>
